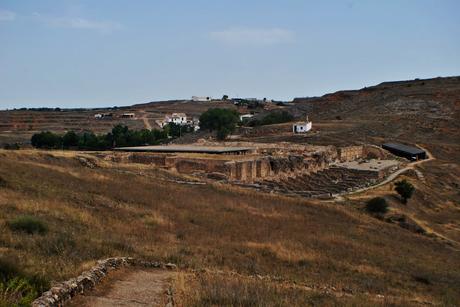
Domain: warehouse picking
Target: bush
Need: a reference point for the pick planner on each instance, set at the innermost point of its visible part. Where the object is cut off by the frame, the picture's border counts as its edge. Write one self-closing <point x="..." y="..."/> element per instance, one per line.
<point x="17" y="292"/>
<point x="272" y="118"/>
<point x="16" y="287"/>
<point x="46" y="140"/>
<point x="405" y="189"/>
<point x="28" y="224"/>
<point x="377" y="205"/>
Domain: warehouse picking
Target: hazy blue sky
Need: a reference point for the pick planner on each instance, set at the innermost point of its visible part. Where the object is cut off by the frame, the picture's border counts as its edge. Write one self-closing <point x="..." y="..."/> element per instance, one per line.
<point x="119" y="52"/>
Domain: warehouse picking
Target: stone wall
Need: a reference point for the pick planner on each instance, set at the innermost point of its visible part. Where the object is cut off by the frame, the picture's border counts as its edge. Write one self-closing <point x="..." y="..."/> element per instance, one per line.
<point x="271" y="162"/>
<point x="157" y="160"/>
<point x="350" y="153"/>
<point x="61" y="293"/>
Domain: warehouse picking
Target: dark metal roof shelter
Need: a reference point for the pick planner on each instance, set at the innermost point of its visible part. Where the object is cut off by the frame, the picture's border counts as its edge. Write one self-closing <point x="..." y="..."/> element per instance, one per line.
<point x="187" y="149"/>
<point x="409" y="152"/>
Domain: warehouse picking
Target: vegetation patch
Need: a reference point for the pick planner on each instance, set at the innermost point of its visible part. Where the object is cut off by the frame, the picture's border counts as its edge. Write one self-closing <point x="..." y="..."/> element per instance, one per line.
<point x="16" y="287"/>
<point x="28" y="224"/>
<point x="223" y="121"/>
<point x="273" y="118"/>
<point x="377" y="205"/>
<point x="222" y="290"/>
<point x="119" y="136"/>
<point x="405" y="189"/>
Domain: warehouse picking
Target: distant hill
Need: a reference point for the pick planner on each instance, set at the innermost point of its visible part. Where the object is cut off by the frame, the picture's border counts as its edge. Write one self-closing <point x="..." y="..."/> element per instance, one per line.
<point x="421" y="110"/>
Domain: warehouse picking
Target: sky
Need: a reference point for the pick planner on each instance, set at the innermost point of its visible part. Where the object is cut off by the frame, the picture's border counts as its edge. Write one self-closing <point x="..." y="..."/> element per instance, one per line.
<point x="98" y="53"/>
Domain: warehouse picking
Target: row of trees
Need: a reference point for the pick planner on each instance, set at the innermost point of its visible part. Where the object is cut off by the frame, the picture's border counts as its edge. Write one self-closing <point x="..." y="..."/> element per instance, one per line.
<point x="119" y="136"/>
<point x="277" y="117"/>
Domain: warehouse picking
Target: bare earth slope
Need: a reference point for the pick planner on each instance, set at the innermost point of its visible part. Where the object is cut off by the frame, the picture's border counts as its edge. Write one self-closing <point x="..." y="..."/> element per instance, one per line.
<point x="250" y="245"/>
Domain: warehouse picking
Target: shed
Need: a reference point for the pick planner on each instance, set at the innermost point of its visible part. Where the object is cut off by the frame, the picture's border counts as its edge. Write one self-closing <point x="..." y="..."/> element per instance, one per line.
<point x="302" y="127"/>
<point x="408" y="152"/>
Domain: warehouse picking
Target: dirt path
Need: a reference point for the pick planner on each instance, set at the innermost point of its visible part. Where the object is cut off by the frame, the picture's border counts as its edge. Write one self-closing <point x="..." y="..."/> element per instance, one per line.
<point x="393" y="176"/>
<point x="146" y="121"/>
<point x="146" y="287"/>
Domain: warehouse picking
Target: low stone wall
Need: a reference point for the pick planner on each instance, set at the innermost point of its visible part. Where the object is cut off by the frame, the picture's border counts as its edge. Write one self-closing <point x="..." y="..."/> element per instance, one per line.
<point x="64" y="291"/>
<point x="350" y="153"/>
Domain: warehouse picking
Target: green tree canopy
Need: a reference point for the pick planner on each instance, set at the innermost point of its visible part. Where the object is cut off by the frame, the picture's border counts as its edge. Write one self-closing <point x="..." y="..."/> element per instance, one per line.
<point x="405" y="189"/>
<point x="70" y="139"/>
<point x="221" y="120"/>
<point x="377" y="205"/>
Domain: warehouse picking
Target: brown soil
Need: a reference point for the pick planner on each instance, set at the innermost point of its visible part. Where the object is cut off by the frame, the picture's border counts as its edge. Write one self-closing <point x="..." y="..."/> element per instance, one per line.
<point x="128" y="288"/>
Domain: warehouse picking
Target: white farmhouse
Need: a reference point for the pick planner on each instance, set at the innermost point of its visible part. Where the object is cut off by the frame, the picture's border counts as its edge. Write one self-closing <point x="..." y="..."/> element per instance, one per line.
<point x="178" y="118"/>
<point x="199" y="98"/>
<point x="302" y="127"/>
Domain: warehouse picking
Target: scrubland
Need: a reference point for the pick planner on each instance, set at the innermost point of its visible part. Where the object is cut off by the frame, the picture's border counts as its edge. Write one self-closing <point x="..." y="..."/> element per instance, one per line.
<point x="232" y="246"/>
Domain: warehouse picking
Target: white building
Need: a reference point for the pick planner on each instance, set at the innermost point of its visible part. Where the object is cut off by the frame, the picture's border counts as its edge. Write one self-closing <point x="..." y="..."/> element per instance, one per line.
<point x="302" y="127"/>
<point x="201" y="98"/>
<point x="246" y="116"/>
<point x="128" y="115"/>
<point x="179" y="119"/>
<point x="195" y="123"/>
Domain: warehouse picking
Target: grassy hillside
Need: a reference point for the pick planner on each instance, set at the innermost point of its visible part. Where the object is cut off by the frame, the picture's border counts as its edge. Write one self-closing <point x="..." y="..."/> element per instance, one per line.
<point x="232" y="246"/>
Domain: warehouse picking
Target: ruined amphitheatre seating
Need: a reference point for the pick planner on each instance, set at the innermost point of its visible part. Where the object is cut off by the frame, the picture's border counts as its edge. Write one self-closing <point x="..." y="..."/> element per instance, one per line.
<point x="329" y="181"/>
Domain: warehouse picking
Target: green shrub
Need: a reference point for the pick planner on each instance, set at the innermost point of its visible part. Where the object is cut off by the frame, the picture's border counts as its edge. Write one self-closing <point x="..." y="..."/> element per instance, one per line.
<point x="16" y="287"/>
<point x="17" y="292"/>
<point x="405" y="189"/>
<point x="377" y="205"/>
<point x="276" y="117"/>
<point x="28" y="224"/>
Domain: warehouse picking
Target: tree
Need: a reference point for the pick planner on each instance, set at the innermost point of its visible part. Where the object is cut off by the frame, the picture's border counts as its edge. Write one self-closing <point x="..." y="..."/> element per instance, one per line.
<point x="377" y="205"/>
<point x="225" y="97"/>
<point x="405" y="189"/>
<point x="176" y="130"/>
<point x="70" y="139"/>
<point x="47" y="140"/>
<point x="221" y="120"/>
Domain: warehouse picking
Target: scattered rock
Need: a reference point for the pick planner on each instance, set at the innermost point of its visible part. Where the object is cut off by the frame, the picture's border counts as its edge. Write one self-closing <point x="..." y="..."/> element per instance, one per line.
<point x="170" y="266"/>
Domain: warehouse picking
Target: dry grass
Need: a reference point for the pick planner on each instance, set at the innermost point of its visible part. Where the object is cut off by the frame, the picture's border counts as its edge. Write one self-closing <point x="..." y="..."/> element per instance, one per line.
<point x="103" y="212"/>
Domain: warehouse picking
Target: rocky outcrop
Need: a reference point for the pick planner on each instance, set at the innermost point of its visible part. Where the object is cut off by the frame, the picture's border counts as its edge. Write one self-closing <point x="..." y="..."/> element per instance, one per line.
<point x="64" y="291"/>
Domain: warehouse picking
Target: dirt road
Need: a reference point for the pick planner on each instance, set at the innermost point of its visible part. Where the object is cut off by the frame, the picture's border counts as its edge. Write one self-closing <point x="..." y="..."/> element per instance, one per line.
<point x="145" y="120"/>
<point x="146" y="287"/>
<point x="390" y="178"/>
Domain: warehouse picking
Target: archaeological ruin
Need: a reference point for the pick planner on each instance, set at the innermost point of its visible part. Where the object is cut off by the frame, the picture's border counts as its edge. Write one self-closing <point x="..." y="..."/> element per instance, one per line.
<point x="305" y="170"/>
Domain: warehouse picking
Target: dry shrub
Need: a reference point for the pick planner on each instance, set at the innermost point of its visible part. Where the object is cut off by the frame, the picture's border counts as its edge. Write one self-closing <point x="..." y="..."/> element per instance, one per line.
<point x="210" y="289"/>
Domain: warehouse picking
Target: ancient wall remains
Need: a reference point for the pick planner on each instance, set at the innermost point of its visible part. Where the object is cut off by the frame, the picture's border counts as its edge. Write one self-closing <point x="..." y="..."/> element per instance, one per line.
<point x="274" y="163"/>
<point x="350" y="153"/>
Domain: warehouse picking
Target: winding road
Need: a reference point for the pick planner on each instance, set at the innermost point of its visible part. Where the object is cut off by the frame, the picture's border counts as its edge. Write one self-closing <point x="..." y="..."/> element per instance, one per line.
<point x="394" y="175"/>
